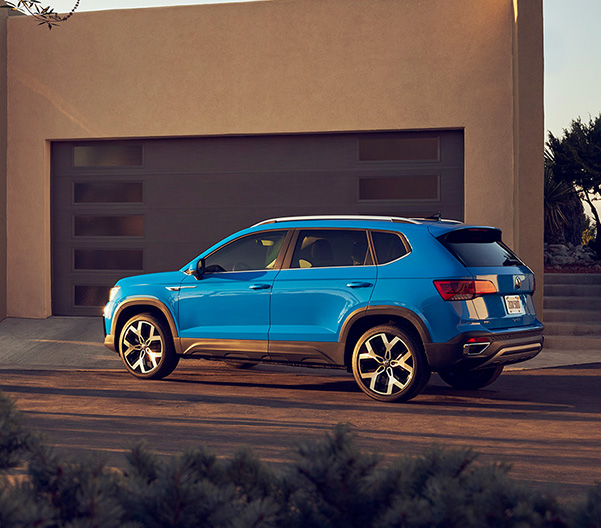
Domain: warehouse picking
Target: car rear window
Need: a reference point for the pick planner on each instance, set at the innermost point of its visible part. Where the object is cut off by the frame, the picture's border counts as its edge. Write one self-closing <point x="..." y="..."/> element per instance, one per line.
<point x="479" y="248"/>
<point x="388" y="246"/>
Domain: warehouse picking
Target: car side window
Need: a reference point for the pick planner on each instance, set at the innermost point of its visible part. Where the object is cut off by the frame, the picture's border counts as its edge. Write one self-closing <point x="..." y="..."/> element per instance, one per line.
<point x="258" y="251"/>
<point x="388" y="246"/>
<point x="321" y="248"/>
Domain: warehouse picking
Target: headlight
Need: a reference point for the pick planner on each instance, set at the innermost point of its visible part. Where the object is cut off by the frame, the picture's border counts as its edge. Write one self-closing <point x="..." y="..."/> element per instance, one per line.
<point x="114" y="292"/>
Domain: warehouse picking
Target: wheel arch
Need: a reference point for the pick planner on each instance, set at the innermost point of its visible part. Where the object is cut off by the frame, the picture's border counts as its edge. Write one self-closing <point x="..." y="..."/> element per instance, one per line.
<point x="134" y="307"/>
<point x="364" y="319"/>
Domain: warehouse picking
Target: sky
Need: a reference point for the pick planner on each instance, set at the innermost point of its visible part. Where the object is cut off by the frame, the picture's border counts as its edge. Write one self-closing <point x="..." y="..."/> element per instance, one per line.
<point x="572" y="52"/>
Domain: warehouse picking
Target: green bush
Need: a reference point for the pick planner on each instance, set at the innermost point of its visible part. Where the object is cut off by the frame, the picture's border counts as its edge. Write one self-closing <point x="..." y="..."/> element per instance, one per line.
<point x="14" y="440"/>
<point x="330" y="483"/>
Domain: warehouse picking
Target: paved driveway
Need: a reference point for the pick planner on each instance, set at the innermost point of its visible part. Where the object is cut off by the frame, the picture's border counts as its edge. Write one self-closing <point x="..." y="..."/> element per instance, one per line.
<point x="544" y="421"/>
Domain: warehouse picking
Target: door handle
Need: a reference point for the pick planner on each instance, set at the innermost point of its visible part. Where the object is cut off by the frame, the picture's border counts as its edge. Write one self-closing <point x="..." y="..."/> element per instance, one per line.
<point x="260" y="286"/>
<point x="358" y="284"/>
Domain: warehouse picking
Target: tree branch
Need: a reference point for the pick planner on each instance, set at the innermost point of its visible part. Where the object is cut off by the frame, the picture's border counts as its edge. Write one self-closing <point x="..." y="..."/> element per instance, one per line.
<point x="44" y="15"/>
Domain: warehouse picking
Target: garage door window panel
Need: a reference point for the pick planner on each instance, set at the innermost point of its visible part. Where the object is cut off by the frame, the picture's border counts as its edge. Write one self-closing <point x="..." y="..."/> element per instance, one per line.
<point x="108" y="259"/>
<point x="410" y="188"/>
<point x="90" y="295"/>
<point x="395" y="147"/>
<point x="108" y="192"/>
<point x="108" y="226"/>
<point x="109" y="154"/>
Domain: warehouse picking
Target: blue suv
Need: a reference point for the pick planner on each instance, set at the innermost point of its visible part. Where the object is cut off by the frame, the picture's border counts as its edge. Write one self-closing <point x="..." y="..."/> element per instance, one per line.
<point x="389" y="299"/>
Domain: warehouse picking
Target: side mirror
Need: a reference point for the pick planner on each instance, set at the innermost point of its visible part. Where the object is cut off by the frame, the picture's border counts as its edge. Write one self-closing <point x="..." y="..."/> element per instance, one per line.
<point x="200" y="269"/>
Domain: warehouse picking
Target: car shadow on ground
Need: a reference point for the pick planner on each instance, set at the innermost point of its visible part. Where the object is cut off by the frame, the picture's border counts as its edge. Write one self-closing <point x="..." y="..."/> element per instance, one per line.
<point x="559" y="391"/>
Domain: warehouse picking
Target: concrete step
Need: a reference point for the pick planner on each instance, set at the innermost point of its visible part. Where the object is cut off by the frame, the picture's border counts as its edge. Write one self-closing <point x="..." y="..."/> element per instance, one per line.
<point x="572" y="290"/>
<point x="572" y="329"/>
<point x="592" y="344"/>
<point x="572" y="303"/>
<point x="572" y="278"/>
<point x="572" y="316"/>
<point x="555" y="358"/>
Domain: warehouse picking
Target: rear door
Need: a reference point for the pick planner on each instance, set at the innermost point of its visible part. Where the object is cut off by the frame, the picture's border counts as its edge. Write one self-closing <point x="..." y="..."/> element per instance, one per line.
<point x="486" y="257"/>
<point x="328" y="274"/>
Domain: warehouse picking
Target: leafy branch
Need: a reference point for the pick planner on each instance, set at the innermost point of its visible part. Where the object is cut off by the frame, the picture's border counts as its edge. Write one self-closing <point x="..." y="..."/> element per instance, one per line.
<point x="45" y="15"/>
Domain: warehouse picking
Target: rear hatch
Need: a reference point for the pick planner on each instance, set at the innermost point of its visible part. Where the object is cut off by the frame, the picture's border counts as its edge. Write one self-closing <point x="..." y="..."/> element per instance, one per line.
<point x="487" y="258"/>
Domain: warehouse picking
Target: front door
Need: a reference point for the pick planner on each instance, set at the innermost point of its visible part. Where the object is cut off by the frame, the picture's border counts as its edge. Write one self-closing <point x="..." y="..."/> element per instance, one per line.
<point x="226" y="311"/>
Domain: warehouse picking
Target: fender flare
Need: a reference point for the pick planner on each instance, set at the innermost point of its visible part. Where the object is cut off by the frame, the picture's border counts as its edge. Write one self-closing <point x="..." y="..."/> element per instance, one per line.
<point x="397" y="311"/>
<point x="147" y="301"/>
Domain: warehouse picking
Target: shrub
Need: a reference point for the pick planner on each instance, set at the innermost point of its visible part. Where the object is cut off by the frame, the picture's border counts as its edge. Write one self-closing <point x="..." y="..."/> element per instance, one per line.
<point x="14" y="440"/>
<point x="331" y="483"/>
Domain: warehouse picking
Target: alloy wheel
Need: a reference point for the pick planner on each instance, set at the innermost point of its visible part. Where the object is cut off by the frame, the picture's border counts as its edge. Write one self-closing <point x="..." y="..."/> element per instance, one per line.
<point x="386" y="364"/>
<point x="389" y="364"/>
<point x="142" y="347"/>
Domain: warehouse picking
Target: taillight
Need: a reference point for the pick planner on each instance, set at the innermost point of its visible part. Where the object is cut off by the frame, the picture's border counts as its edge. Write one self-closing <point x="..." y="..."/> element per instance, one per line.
<point x="463" y="290"/>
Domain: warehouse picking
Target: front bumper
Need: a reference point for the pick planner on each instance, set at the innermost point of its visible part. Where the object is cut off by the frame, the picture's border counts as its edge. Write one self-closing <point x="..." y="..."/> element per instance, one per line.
<point x="109" y="340"/>
<point x="492" y="349"/>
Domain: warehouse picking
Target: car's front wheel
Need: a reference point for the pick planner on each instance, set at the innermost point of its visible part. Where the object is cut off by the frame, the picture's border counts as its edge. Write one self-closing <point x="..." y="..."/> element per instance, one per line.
<point x="146" y="347"/>
<point x="389" y="365"/>
<point x="470" y="379"/>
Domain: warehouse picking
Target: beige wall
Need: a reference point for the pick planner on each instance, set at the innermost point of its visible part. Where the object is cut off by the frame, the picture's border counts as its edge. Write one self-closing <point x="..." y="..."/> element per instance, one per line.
<point x="270" y="67"/>
<point x="529" y="138"/>
<point x="3" y="17"/>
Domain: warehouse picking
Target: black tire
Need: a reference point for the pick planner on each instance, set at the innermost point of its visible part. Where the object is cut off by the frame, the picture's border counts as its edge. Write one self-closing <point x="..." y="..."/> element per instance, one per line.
<point x="146" y="347"/>
<point x="470" y="379"/>
<point x="389" y="364"/>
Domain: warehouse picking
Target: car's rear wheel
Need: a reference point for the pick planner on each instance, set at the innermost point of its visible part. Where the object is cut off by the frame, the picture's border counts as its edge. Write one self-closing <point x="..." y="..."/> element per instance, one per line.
<point x="146" y="347"/>
<point x="388" y="364"/>
<point x="470" y="379"/>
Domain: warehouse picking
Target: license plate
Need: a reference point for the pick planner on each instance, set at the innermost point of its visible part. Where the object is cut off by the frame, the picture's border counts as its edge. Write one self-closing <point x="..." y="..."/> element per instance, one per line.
<point x="514" y="305"/>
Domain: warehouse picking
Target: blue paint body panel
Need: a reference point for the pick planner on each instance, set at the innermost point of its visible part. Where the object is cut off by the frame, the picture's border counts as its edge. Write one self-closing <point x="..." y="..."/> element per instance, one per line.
<point x="316" y="304"/>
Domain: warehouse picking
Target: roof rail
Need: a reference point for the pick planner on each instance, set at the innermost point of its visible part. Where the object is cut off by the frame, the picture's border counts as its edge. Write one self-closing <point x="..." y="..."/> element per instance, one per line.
<point x="438" y="220"/>
<point x="397" y="219"/>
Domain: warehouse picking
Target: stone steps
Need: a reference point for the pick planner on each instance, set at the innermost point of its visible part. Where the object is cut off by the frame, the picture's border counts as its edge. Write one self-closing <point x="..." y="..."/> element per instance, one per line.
<point x="572" y="312"/>
<point x="572" y="278"/>
<point x="570" y="316"/>
<point x="572" y="302"/>
<point x="572" y="329"/>
<point x="573" y="290"/>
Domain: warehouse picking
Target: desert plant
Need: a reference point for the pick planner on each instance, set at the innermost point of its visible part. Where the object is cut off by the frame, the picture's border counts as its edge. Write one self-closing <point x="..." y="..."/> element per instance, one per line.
<point x="565" y="220"/>
<point x="577" y="160"/>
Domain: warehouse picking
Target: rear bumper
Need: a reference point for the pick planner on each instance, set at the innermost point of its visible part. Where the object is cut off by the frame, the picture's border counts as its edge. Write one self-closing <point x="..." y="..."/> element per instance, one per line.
<point x="495" y="349"/>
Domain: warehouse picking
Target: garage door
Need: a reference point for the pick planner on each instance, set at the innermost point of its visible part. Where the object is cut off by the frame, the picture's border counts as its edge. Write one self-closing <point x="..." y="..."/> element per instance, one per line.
<point x="127" y="207"/>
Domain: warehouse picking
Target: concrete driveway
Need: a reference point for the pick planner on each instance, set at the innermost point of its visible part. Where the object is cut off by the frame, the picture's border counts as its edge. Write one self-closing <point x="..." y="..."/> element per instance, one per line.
<point x="77" y="342"/>
<point x="542" y="416"/>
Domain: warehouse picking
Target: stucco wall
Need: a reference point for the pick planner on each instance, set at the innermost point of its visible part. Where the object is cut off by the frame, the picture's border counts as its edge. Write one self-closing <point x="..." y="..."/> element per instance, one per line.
<point x="529" y="138"/>
<point x="265" y="67"/>
<point x="3" y="16"/>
